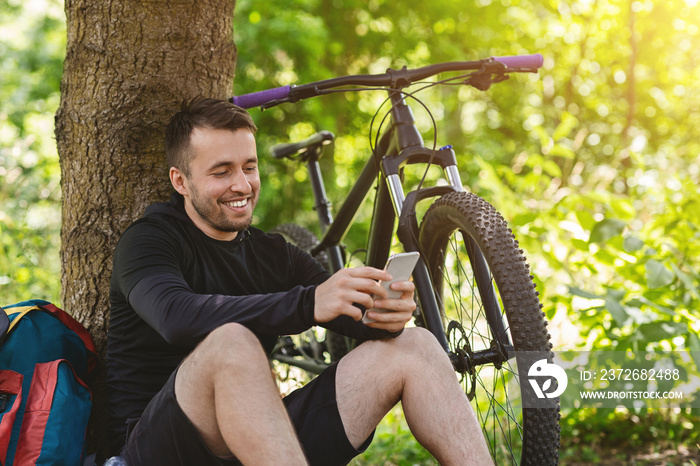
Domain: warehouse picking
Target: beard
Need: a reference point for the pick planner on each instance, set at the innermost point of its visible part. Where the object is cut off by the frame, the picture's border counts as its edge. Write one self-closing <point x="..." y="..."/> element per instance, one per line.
<point x="215" y="215"/>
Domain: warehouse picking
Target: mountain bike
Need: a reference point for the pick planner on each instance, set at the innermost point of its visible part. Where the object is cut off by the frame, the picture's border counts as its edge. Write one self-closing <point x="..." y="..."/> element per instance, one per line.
<point x="473" y="285"/>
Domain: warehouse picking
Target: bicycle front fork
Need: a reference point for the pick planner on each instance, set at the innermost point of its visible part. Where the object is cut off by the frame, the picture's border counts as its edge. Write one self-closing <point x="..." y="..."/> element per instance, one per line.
<point x="408" y="231"/>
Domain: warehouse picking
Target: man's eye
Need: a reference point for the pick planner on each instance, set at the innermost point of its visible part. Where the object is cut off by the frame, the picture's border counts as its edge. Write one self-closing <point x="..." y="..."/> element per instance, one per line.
<point x="219" y="174"/>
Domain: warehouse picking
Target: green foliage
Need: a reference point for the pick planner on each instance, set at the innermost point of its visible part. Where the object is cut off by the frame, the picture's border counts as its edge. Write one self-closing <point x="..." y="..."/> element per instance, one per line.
<point x="586" y="436"/>
<point x="32" y="46"/>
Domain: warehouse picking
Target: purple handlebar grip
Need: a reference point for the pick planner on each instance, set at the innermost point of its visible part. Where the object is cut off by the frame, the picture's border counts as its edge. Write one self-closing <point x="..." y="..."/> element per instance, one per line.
<point x="522" y="61"/>
<point x="256" y="99"/>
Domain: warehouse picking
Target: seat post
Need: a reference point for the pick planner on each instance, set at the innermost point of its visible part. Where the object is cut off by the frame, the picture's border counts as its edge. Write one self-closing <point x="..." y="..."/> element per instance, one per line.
<point x="321" y="203"/>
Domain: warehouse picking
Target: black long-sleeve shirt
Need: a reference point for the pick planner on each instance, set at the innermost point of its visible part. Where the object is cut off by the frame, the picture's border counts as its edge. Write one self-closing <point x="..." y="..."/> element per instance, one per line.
<point x="172" y="285"/>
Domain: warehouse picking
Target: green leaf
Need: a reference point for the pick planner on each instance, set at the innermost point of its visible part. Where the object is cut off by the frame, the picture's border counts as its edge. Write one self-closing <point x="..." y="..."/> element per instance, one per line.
<point x="568" y="123"/>
<point x="580" y="244"/>
<point x="561" y="151"/>
<point x="692" y="342"/>
<point x="622" y="207"/>
<point x="551" y="168"/>
<point x="542" y="136"/>
<point x="616" y="293"/>
<point x="642" y="301"/>
<point x="658" y="275"/>
<point x="585" y="219"/>
<point x="688" y="282"/>
<point x="632" y="243"/>
<point x="607" y="229"/>
<point x="524" y="218"/>
<point x="616" y="310"/>
<point x="658" y="331"/>
<point x="606" y="257"/>
<point x="583" y="294"/>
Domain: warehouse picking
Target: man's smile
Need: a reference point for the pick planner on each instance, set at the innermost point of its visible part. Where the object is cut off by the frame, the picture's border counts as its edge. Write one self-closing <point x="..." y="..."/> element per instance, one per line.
<point x="241" y="203"/>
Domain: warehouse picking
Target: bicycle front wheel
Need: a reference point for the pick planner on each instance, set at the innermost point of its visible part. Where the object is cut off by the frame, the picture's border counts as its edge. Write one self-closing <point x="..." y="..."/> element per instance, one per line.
<point x="489" y="308"/>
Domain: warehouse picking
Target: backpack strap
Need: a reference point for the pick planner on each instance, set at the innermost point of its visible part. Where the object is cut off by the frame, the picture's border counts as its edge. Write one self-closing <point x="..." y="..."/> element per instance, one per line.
<point x="21" y="312"/>
<point x="4" y="325"/>
<point x="71" y="323"/>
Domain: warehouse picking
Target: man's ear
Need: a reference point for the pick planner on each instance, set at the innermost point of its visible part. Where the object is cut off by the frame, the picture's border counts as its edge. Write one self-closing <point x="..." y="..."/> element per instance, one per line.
<point x="177" y="178"/>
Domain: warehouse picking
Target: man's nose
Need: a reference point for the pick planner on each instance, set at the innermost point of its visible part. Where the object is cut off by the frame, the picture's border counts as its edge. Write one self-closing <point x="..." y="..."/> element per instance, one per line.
<point x="240" y="183"/>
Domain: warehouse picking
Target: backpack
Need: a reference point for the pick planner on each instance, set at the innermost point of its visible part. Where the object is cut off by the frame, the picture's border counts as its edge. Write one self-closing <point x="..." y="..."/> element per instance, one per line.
<point x="45" y="358"/>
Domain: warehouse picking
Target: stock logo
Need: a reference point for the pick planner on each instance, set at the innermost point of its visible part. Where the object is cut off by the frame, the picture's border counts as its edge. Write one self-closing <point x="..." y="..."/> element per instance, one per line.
<point x="543" y="369"/>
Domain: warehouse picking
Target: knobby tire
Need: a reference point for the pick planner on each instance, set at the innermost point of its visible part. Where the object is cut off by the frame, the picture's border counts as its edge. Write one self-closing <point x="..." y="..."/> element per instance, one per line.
<point x="453" y="224"/>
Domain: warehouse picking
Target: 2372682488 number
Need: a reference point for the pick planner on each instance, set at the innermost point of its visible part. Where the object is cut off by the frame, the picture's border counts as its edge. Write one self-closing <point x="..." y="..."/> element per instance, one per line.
<point x="639" y="374"/>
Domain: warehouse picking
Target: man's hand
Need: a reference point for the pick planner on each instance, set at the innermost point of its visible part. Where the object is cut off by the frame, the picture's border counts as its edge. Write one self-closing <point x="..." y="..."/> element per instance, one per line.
<point x="336" y="296"/>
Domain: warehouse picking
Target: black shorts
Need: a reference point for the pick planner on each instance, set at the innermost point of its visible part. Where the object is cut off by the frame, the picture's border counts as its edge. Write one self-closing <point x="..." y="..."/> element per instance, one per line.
<point x="165" y="436"/>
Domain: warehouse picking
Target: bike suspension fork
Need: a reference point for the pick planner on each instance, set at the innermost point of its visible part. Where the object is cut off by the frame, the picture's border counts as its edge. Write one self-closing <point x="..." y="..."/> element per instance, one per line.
<point x="430" y="308"/>
<point x="452" y="174"/>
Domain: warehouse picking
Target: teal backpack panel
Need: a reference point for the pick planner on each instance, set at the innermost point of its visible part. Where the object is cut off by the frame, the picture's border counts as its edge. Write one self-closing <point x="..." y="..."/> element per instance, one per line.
<point x="54" y="354"/>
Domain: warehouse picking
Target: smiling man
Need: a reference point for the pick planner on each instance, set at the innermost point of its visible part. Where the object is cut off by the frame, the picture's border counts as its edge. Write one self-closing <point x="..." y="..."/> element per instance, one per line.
<point x="230" y="186"/>
<point x="198" y="299"/>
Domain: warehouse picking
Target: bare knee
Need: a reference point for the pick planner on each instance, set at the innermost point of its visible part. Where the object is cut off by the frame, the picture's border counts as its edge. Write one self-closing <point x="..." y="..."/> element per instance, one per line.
<point x="414" y="348"/>
<point x="229" y="349"/>
<point x="233" y="335"/>
<point x="229" y="345"/>
<point x="419" y="342"/>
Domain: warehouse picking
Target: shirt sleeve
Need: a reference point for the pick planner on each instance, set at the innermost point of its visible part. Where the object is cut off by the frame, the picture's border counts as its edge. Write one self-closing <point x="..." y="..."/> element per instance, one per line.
<point x="183" y="318"/>
<point x="148" y="264"/>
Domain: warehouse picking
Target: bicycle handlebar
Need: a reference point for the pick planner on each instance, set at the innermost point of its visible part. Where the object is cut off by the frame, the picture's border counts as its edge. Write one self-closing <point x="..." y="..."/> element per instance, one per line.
<point x="394" y="78"/>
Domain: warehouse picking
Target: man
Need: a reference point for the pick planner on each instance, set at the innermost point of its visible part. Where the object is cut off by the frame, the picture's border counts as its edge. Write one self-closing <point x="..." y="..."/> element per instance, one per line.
<point x="198" y="297"/>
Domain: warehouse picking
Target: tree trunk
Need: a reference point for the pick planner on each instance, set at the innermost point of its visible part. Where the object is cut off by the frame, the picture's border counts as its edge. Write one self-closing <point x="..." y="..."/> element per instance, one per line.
<point x="128" y="66"/>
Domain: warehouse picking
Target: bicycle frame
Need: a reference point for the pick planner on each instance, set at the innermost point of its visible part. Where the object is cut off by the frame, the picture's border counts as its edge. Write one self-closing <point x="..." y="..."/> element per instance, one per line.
<point x="401" y="144"/>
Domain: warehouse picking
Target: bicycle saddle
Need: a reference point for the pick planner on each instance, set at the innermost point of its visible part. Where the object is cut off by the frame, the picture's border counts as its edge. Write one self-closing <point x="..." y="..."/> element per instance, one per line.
<point x="290" y="149"/>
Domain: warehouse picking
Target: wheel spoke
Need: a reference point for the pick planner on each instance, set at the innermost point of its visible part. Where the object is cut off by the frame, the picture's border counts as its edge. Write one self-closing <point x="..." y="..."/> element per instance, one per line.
<point x="500" y="419"/>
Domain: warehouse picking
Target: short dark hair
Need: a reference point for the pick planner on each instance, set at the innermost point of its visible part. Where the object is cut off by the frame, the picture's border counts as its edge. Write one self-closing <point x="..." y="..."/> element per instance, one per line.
<point x="200" y="112"/>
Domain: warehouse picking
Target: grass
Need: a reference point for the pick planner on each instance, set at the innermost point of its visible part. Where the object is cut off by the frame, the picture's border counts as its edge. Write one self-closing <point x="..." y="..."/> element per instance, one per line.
<point x="607" y="437"/>
<point x="663" y="436"/>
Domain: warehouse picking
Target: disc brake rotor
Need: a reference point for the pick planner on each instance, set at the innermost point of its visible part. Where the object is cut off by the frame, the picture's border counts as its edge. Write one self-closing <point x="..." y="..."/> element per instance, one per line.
<point x="462" y="352"/>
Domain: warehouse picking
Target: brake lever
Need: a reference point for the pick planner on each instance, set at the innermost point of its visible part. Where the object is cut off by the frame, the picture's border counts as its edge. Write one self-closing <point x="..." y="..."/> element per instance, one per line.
<point x="274" y="103"/>
<point x="483" y="82"/>
<point x="500" y="78"/>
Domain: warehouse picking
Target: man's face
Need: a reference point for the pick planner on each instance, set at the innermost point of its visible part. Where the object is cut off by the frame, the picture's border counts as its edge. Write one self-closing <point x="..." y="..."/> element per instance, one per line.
<point x="223" y="186"/>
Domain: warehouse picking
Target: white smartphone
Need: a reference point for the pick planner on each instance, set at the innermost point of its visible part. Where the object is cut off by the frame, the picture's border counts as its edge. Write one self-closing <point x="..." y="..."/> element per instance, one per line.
<point x="400" y="267"/>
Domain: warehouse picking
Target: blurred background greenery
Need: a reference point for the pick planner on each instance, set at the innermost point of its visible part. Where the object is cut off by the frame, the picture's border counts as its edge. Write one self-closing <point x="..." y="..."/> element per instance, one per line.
<point x="594" y="161"/>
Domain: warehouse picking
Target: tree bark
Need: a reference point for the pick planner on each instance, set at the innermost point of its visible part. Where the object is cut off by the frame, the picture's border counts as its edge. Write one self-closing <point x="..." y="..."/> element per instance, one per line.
<point x="129" y="64"/>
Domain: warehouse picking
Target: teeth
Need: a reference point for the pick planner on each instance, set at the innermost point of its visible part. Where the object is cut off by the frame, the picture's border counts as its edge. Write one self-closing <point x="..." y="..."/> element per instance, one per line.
<point x="242" y="203"/>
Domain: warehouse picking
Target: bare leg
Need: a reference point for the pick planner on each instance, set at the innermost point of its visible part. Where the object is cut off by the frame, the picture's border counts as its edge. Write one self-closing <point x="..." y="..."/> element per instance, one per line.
<point x="412" y="369"/>
<point x="226" y="389"/>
